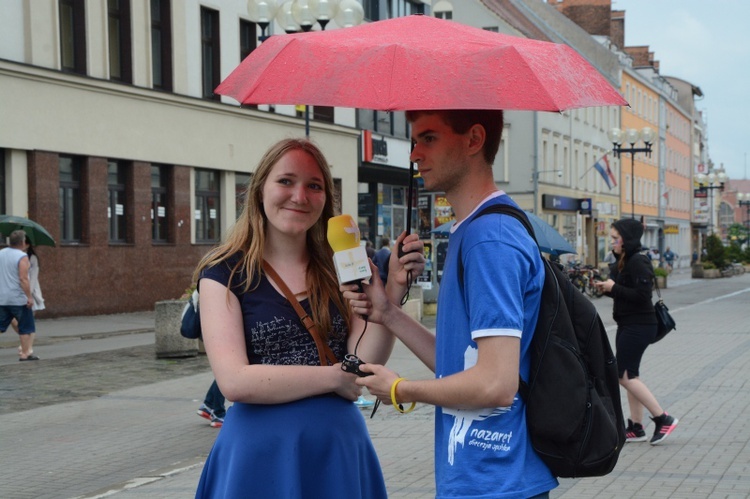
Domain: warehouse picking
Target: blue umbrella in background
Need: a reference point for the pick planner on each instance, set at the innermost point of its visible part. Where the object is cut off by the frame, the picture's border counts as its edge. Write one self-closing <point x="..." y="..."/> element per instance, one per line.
<point x="549" y="240"/>
<point x="443" y="229"/>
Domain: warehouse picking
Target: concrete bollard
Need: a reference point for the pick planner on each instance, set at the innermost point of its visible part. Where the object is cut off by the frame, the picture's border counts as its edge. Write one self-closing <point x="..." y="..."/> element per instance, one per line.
<point x="169" y="342"/>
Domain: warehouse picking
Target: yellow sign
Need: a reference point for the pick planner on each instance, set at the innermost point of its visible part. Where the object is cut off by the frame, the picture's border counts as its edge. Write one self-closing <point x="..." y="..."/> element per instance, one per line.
<point x="671" y="229"/>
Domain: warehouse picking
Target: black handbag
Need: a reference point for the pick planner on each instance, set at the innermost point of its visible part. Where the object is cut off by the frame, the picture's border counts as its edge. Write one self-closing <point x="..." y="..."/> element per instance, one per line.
<point x="663" y="318"/>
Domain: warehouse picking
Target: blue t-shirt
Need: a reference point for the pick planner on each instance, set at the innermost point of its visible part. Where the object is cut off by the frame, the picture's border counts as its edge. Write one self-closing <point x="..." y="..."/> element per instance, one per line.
<point x="274" y="333"/>
<point x="487" y="453"/>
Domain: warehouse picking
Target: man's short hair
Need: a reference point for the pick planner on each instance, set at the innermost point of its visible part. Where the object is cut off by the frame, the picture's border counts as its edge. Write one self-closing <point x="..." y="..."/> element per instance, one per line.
<point x="460" y="120"/>
<point x="385" y="242"/>
<point x="17" y="238"/>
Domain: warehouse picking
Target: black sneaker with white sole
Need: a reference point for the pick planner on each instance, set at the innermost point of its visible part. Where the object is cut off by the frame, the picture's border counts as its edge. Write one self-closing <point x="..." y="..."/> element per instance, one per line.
<point x="665" y="425"/>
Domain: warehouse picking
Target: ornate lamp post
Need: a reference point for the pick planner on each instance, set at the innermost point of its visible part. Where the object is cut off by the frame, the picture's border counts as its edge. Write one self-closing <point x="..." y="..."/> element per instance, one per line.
<point x="631" y="136"/>
<point x="744" y="200"/>
<point x="296" y="15"/>
<point x="709" y="183"/>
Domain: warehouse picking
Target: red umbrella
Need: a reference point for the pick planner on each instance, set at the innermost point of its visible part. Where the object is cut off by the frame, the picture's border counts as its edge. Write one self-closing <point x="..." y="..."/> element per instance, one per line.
<point x="418" y="62"/>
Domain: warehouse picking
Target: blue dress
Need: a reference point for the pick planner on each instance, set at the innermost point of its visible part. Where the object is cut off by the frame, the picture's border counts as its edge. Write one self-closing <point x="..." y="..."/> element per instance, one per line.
<point x="314" y="447"/>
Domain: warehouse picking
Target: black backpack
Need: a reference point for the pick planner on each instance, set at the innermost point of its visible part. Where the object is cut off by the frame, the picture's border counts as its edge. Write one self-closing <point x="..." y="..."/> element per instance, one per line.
<point x="573" y="409"/>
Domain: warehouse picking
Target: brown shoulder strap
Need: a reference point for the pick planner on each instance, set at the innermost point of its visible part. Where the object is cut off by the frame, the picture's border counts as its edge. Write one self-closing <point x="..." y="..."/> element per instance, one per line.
<point x="325" y="353"/>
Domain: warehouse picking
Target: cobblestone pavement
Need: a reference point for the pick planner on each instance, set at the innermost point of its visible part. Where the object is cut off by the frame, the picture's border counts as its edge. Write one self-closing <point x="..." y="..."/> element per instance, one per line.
<point x="123" y="423"/>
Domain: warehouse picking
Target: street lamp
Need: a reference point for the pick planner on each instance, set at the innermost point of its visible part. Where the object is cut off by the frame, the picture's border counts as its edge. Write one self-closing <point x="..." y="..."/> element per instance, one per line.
<point x="709" y="183"/>
<point x="744" y="200"/>
<point x="296" y="15"/>
<point x="262" y="12"/>
<point x="631" y="136"/>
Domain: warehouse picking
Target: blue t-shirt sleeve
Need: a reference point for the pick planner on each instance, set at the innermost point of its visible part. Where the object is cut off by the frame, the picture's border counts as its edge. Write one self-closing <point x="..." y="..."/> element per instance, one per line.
<point x="496" y="277"/>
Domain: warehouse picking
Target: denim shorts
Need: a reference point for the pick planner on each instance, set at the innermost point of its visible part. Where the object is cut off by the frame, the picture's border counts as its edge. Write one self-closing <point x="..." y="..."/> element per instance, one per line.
<point x="23" y="314"/>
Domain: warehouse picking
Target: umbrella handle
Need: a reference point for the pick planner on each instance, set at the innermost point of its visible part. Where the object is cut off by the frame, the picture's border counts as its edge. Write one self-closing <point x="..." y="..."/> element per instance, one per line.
<point x="410" y="200"/>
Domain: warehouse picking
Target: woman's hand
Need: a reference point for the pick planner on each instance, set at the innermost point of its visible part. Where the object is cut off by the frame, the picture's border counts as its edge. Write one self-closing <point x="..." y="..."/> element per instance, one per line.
<point x="347" y="384"/>
<point x="413" y="259"/>
<point x="605" y="286"/>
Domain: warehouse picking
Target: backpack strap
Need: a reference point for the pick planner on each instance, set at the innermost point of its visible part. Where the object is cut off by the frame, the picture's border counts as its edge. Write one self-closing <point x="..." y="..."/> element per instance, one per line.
<point x="502" y="208"/>
<point x="518" y="214"/>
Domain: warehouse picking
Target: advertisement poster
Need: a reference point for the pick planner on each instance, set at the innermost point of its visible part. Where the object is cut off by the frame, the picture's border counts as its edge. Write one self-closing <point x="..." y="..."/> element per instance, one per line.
<point x="424" y="211"/>
<point x="425" y="279"/>
<point x="443" y="211"/>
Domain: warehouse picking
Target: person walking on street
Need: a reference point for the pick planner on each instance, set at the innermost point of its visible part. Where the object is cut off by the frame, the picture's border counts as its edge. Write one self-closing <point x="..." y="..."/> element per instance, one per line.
<point x="382" y="257"/>
<point x="669" y="257"/>
<point x="629" y="285"/>
<point x="16" y="299"/>
<point x="213" y="408"/>
<point x="292" y="430"/>
<point x="36" y="290"/>
<point x="485" y="321"/>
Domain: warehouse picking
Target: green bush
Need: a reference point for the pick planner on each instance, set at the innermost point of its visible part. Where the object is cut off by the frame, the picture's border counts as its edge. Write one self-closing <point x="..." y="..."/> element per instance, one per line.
<point x="660" y="272"/>
<point x="716" y="251"/>
<point x="734" y="252"/>
<point x="708" y="266"/>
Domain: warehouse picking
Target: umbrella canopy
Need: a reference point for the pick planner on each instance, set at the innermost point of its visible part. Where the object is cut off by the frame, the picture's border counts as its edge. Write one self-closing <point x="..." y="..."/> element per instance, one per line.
<point x="37" y="234"/>
<point x="418" y="62"/>
<point x="549" y="240"/>
<point x="443" y="229"/>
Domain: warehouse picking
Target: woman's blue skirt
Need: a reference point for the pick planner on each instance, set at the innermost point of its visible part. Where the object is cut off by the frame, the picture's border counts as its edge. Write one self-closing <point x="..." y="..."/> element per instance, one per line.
<point x="317" y="447"/>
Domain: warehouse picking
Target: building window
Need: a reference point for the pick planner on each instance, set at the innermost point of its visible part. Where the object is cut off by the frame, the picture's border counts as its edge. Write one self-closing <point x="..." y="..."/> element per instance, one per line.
<point x="73" y="36"/>
<point x="248" y="38"/>
<point x="372" y="9"/>
<point x="210" y="52"/>
<point x="71" y="210"/>
<point x="117" y="206"/>
<point x="161" y="44"/>
<point x="120" y="54"/>
<point x="159" y="203"/>
<point x="248" y="43"/>
<point x="207" y="197"/>
<point x="400" y="8"/>
<point x="323" y="113"/>
<point x="241" y="183"/>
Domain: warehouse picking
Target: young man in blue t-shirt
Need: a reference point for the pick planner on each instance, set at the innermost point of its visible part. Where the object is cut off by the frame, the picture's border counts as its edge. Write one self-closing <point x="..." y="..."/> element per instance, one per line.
<point x="482" y="446"/>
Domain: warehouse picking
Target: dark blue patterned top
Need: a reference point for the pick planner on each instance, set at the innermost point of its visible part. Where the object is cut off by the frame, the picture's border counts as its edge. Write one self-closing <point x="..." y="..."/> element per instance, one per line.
<point x="274" y="333"/>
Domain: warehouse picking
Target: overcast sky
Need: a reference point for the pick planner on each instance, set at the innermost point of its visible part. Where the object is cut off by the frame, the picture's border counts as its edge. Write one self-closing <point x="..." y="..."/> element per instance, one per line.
<point x="706" y="42"/>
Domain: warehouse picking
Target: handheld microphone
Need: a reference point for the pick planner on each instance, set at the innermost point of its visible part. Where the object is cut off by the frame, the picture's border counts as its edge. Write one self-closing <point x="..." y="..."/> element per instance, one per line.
<point x="350" y="260"/>
<point x="349" y="257"/>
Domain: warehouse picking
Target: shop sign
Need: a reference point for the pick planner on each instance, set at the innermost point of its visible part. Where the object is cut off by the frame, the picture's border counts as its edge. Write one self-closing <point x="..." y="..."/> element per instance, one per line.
<point x="383" y="150"/>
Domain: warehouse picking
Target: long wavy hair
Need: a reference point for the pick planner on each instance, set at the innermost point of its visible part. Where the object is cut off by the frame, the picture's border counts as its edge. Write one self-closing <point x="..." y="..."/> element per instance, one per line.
<point x="248" y="235"/>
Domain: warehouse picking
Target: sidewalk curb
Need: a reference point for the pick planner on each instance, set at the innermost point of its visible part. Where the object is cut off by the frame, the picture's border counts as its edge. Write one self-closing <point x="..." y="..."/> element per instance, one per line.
<point x="50" y="340"/>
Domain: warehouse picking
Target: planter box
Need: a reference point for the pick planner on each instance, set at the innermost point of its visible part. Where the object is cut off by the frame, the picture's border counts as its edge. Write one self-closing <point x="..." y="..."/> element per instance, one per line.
<point x="169" y="342"/>
<point x="661" y="281"/>
<point x="697" y="271"/>
<point x="711" y="273"/>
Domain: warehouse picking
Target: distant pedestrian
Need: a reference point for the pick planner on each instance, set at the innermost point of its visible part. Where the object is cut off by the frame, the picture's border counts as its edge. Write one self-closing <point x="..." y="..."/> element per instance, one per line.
<point x="16" y="300"/>
<point x="36" y="290"/>
<point x="369" y="249"/>
<point x="382" y="257"/>
<point x="669" y="257"/>
<point x="629" y="285"/>
<point x="213" y="407"/>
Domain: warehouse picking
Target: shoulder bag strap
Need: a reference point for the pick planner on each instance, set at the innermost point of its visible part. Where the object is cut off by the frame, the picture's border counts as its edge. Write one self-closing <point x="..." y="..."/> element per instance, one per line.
<point x="325" y="353"/>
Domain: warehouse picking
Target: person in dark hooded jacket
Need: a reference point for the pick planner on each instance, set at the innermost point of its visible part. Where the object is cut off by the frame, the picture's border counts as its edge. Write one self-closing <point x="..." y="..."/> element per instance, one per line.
<point x="630" y="282"/>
